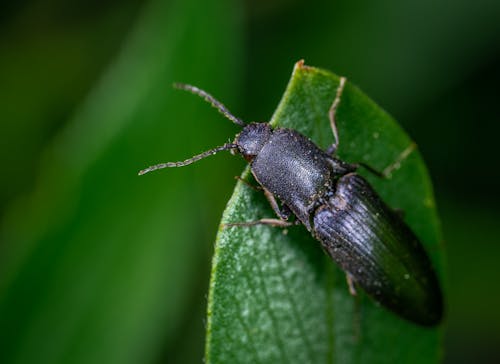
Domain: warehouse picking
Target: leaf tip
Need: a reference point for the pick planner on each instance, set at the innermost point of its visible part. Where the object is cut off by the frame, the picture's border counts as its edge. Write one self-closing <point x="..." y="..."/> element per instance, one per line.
<point x="300" y="65"/>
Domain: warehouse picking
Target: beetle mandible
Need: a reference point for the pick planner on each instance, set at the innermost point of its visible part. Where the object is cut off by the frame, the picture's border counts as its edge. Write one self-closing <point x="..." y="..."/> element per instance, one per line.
<point x="364" y="236"/>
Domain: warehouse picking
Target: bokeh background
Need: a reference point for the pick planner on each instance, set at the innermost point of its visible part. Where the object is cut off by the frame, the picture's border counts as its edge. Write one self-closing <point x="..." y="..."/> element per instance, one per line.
<point x="98" y="265"/>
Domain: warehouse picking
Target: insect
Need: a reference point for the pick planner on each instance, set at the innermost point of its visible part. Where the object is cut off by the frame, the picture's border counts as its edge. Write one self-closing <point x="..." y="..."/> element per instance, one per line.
<point x="364" y="236"/>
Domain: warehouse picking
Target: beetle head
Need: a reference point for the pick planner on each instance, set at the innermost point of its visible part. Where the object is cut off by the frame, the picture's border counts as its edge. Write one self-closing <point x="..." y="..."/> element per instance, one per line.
<point x="252" y="138"/>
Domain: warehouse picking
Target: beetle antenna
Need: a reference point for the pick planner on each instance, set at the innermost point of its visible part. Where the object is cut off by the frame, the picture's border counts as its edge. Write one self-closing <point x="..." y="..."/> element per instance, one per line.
<point x="196" y="158"/>
<point x="209" y="98"/>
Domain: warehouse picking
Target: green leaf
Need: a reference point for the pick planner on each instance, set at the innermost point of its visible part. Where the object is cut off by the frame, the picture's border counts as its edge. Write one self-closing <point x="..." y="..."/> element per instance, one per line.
<point x="275" y="297"/>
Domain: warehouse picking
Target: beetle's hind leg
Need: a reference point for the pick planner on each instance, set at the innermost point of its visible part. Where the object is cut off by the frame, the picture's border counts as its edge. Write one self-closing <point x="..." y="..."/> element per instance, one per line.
<point x="356" y="323"/>
<point x="351" y="284"/>
<point x="331" y="114"/>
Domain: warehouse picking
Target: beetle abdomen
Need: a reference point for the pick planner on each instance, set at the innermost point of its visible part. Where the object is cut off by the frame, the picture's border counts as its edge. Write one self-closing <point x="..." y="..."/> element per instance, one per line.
<point x="371" y="242"/>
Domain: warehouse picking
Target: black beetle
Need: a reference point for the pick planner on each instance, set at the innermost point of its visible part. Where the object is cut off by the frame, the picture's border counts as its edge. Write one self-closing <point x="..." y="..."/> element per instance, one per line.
<point x="364" y="236"/>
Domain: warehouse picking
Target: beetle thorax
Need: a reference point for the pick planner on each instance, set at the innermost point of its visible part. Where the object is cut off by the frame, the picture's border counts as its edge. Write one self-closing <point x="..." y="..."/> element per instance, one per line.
<point x="252" y="138"/>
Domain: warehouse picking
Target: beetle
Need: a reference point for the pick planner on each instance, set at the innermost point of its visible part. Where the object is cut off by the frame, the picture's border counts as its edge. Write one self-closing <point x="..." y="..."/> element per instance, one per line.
<point x="363" y="235"/>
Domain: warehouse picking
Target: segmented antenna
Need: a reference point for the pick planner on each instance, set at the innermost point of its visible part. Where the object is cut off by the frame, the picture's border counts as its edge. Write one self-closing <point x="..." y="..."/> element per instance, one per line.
<point x="209" y="98"/>
<point x="208" y="153"/>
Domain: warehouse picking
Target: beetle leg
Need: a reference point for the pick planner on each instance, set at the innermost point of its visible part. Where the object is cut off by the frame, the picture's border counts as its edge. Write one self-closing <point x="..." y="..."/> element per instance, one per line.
<point x="265" y="221"/>
<point x="283" y="213"/>
<point x="356" y="323"/>
<point x="350" y="284"/>
<point x="386" y="173"/>
<point x="256" y="188"/>
<point x="370" y="169"/>
<point x="397" y="163"/>
<point x="331" y="114"/>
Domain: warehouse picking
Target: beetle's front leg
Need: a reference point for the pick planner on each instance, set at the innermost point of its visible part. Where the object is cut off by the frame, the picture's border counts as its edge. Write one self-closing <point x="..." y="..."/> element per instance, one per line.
<point x="283" y="213"/>
<point x="253" y="187"/>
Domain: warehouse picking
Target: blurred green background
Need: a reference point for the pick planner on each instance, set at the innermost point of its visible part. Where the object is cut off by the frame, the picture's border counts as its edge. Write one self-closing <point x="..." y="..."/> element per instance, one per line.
<point x="98" y="265"/>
